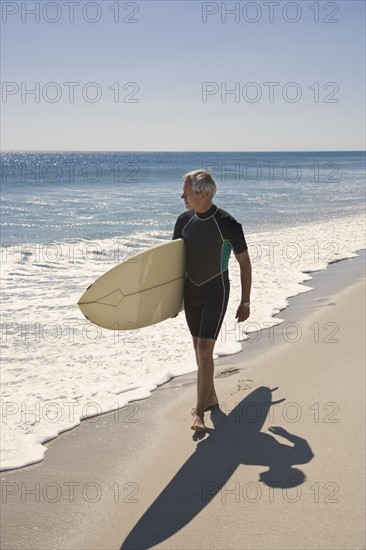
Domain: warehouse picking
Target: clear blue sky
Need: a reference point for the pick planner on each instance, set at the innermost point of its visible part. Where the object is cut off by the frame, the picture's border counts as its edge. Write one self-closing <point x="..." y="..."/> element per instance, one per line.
<point x="169" y="52"/>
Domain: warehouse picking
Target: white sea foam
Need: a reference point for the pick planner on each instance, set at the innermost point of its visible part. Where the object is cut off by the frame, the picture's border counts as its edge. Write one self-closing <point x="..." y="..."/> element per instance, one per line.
<point x="59" y="368"/>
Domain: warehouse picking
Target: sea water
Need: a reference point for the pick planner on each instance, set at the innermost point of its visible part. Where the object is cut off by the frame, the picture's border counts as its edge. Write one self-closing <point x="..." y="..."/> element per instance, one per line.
<point x="68" y="217"/>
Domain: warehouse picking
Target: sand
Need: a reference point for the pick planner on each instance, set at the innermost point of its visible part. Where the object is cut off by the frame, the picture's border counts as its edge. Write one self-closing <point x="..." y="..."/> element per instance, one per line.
<point x="280" y="467"/>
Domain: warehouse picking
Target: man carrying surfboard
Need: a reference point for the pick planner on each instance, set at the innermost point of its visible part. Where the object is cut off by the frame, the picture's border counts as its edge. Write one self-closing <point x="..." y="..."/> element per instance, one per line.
<point x="209" y="234"/>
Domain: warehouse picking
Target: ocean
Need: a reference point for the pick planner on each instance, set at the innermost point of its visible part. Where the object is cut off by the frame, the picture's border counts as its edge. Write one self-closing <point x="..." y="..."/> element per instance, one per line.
<point x="67" y="217"/>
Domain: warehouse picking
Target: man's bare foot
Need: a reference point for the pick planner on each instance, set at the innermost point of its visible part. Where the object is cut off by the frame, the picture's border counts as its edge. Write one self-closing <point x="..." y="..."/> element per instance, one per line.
<point x="207" y="408"/>
<point x="198" y="424"/>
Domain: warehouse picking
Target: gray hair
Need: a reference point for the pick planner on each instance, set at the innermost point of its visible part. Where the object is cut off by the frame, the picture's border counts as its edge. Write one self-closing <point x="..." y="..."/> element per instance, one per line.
<point x="202" y="182"/>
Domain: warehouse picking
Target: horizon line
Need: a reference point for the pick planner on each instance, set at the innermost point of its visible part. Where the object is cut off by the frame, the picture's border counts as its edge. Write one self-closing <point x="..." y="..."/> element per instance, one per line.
<point x="177" y="151"/>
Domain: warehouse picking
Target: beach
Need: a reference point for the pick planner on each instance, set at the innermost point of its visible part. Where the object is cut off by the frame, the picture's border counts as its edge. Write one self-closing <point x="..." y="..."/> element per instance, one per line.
<point x="281" y="465"/>
<point x="107" y="108"/>
<point x="58" y="368"/>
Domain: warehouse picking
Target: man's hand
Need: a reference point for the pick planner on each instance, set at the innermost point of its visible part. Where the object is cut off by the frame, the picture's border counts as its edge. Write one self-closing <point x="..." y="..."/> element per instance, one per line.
<point x="242" y="313"/>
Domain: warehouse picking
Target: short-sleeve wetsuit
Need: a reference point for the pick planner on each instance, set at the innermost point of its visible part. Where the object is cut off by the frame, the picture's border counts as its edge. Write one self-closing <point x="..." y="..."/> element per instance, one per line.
<point x="209" y="238"/>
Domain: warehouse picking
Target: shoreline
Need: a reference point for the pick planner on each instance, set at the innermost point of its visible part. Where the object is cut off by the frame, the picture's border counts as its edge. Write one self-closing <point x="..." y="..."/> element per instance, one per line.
<point x="259" y="342"/>
<point x="102" y="476"/>
<point x="324" y="283"/>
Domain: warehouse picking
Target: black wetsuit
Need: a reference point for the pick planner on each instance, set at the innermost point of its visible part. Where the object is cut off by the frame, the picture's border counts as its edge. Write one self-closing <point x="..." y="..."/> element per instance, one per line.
<point x="209" y="238"/>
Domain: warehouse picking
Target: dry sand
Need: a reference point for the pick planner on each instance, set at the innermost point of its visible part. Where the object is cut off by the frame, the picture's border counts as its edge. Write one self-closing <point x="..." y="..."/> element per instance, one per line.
<point x="286" y="475"/>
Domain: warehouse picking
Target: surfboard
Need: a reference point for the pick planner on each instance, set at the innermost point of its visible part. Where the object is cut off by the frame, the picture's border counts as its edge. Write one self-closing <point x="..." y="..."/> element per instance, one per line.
<point x="141" y="291"/>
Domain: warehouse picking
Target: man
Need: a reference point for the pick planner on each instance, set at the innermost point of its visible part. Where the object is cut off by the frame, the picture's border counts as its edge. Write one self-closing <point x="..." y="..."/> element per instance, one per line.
<point x="209" y="234"/>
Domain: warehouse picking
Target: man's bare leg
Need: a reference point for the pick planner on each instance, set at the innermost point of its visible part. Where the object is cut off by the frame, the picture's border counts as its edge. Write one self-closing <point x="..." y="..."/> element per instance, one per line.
<point x="212" y="399"/>
<point x="206" y="394"/>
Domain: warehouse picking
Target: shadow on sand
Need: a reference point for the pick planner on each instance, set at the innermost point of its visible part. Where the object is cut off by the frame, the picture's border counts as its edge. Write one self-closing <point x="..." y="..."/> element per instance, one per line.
<point x="236" y="440"/>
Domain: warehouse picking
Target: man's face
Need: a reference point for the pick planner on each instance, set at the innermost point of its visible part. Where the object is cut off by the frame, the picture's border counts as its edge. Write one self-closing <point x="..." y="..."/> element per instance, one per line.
<point x="191" y="198"/>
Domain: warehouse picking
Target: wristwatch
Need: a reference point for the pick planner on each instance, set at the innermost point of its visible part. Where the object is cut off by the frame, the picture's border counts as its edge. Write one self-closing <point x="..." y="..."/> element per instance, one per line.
<point x="246" y="304"/>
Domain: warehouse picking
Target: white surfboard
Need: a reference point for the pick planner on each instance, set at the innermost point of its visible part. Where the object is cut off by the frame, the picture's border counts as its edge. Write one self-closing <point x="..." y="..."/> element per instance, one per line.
<point x="144" y="290"/>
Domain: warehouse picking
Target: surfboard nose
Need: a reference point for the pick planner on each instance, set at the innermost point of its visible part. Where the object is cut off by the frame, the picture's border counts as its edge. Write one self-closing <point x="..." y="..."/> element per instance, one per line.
<point x="152" y="284"/>
<point x="113" y="299"/>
